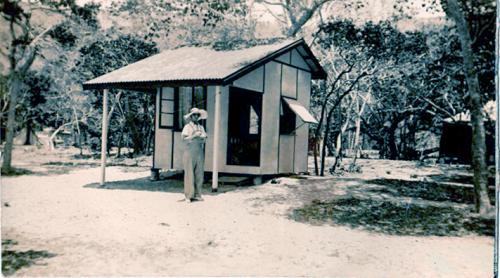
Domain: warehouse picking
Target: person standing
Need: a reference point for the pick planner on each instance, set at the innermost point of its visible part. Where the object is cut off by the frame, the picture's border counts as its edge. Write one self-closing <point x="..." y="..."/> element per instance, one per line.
<point x="194" y="137"/>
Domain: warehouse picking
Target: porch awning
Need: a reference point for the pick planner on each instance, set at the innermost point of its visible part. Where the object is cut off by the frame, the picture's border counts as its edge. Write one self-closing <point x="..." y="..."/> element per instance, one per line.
<point x="300" y="111"/>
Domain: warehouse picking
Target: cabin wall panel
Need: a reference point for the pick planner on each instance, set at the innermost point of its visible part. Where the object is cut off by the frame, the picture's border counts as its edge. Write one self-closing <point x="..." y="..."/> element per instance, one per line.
<point x="252" y="80"/>
<point x="298" y="61"/>
<point x="163" y="141"/>
<point x="284" y="58"/>
<point x="289" y="82"/>
<point x="270" y="119"/>
<point x="302" y="133"/>
<point x="178" y="150"/>
<point x="286" y="153"/>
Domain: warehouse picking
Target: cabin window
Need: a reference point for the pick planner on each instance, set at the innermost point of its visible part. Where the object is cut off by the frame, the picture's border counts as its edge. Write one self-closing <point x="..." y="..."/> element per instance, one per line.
<point x="187" y="98"/>
<point x="287" y="119"/>
<point x="166" y="108"/>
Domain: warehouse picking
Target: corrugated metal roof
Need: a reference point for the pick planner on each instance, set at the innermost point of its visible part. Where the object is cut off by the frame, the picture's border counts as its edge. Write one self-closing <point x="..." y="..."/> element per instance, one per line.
<point x="190" y="63"/>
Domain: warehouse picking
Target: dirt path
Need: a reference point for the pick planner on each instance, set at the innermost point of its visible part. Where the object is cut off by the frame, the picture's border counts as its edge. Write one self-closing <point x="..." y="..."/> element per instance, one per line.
<point x="127" y="231"/>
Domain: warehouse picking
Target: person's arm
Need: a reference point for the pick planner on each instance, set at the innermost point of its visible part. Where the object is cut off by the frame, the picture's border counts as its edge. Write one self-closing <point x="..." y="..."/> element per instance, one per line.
<point x="187" y="133"/>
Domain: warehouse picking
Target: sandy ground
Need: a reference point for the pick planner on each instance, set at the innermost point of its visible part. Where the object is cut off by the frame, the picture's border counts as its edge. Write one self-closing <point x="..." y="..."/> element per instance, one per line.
<point x="140" y="228"/>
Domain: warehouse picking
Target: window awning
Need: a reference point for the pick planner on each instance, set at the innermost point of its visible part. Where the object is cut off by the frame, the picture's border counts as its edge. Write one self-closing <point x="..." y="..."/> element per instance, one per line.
<point x="300" y="111"/>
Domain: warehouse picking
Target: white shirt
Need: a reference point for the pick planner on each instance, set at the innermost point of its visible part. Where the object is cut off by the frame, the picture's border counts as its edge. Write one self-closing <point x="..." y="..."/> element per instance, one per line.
<point x="191" y="128"/>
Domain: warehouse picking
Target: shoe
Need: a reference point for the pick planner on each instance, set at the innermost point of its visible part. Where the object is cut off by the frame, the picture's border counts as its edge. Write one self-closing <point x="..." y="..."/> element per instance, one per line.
<point x="198" y="199"/>
<point x="189" y="200"/>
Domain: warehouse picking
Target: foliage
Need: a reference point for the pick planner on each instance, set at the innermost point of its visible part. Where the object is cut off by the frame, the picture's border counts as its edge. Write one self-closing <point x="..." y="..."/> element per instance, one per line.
<point x="103" y="56"/>
<point x="294" y="15"/>
<point x="63" y="35"/>
<point x="192" y="22"/>
<point x="417" y="82"/>
<point x="135" y="109"/>
<point x="38" y="87"/>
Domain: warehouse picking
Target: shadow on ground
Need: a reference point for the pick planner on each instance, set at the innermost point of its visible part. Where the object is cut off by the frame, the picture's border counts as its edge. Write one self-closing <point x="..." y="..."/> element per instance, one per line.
<point x="392" y="218"/>
<point x="460" y="178"/>
<point x="432" y="191"/>
<point x="15" y="172"/>
<point x="173" y="185"/>
<point x="399" y="207"/>
<point x="66" y="167"/>
<point x="13" y="260"/>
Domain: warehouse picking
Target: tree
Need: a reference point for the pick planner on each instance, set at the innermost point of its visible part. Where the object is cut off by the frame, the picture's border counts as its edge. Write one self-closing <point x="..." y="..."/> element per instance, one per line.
<point x="455" y="11"/>
<point x="37" y="87"/>
<point x="175" y="22"/>
<point x="133" y="108"/>
<point x="359" y="53"/>
<point x="70" y="108"/>
<point x="23" y="48"/>
<point x="293" y="15"/>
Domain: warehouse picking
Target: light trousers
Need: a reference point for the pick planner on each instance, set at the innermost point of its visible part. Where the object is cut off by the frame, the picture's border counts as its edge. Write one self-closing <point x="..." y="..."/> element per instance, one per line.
<point x="193" y="160"/>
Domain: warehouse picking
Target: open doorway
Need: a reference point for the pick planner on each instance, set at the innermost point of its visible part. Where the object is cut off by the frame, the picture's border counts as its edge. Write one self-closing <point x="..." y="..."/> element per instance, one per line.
<point x="244" y="127"/>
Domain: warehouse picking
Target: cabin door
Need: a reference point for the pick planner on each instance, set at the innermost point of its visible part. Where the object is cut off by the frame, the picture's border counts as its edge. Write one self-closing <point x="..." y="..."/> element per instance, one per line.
<point x="244" y="127"/>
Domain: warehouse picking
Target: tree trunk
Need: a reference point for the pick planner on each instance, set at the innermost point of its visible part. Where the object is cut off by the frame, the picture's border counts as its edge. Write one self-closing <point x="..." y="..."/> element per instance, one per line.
<point x="391" y="142"/>
<point x="315" y="154"/>
<point x="357" y="132"/>
<point x="323" y="149"/>
<point x="338" y="143"/>
<point x="29" y="130"/>
<point x="119" y="143"/>
<point x="482" y="201"/>
<point x="78" y="132"/>
<point x="15" y="86"/>
<point x="326" y="136"/>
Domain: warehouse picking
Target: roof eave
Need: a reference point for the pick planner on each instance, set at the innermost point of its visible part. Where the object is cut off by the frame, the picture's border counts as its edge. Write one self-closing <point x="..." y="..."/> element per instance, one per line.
<point x="320" y="75"/>
<point x="150" y="85"/>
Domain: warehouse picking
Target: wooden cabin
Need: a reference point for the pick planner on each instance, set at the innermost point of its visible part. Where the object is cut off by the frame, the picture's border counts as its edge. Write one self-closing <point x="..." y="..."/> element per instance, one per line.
<point x="455" y="145"/>
<point x="257" y="101"/>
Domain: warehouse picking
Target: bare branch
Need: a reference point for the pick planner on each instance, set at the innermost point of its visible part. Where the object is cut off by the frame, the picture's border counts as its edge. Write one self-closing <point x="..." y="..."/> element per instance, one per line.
<point x="275" y="16"/>
<point x="40" y="36"/>
<point x="435" y="106"/>
<point x="277" y="3"/>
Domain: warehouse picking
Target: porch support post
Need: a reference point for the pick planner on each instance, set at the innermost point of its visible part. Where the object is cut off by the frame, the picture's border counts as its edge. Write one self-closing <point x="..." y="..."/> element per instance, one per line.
<point x="104" y="135"/>
<point x="496" y="259"/>
<point x="215" y="165"/>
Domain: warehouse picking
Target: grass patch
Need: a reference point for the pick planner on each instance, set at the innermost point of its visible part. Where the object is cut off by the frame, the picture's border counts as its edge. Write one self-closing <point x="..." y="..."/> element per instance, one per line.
<point x="394" y="218"/>
<point x="13" y="260"/>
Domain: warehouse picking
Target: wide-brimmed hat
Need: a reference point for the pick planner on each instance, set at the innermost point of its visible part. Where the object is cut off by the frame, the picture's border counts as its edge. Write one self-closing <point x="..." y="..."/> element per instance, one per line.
<point x="201" y="112"/>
